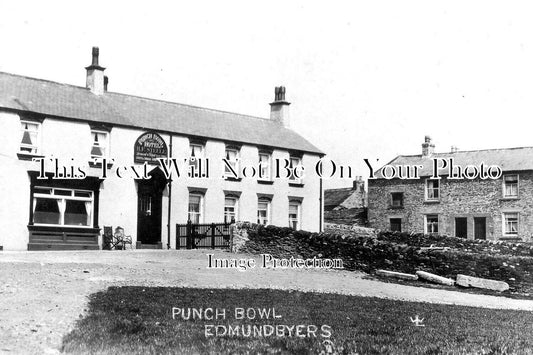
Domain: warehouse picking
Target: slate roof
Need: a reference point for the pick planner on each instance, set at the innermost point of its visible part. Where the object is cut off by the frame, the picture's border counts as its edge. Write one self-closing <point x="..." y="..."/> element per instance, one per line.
<point x="508" y="159"/>
<point x="334" y="197"/>
<point x="78" y="103"/>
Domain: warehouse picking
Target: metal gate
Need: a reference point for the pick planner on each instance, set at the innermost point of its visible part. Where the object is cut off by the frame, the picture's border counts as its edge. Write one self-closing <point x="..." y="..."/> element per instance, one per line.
<point x="203" y="235"/>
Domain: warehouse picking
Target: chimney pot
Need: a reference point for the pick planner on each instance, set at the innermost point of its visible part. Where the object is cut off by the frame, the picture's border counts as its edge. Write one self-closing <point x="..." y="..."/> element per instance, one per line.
<point x="96" y="52"/>
<point x="279" y="109"/>
<point x="428" y="148"/>
<point x="279" y="92"/>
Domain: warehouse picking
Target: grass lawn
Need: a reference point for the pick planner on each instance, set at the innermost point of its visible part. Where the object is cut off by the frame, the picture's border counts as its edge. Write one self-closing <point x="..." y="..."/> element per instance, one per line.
<point x="139" y="320"/>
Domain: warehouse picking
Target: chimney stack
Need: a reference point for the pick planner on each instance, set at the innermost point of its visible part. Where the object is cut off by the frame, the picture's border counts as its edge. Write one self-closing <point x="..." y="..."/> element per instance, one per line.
<point x="279" y="109"/>
<point x="95" y="75"/>
<point x="358" y="184"/>
<point x="428" y="148"/>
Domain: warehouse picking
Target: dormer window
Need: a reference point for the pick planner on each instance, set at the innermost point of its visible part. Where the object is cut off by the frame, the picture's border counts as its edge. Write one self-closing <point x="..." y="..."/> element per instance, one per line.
<point x="100" y="144"/>
<point x="30" y="137"/>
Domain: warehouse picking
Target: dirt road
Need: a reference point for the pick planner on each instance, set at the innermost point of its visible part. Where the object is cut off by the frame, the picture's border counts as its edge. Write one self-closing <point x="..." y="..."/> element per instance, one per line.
<point x="43" y="293"/>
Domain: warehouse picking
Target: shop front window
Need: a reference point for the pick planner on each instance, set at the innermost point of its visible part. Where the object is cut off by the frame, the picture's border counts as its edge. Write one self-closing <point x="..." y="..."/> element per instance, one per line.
<point x="62" y="207"/>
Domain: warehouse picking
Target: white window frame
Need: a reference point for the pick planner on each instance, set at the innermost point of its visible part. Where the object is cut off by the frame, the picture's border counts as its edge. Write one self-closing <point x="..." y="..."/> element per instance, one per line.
<point x="53" y="195"/>
<point x="426" y="225"/>
<point x="505" y="221"/>
<point x="267" y="176"/>
<point x="235" y="206"/>
<point x="37" y="146"/>
<point x="298" y="205"/>
<point x="505" y="195"/>
<point x="294" y="161"/>
<point x="427" y="190"/>
<point x="268" y="213"/>
<point x="104" y="147"/>
<point x="201" y="207"/>
<point x="201" y="155"/>
<point x="233" y="162"/>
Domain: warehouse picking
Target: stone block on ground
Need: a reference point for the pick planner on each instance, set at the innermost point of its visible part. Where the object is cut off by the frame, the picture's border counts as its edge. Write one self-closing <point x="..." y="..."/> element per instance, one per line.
<point x="398" y="275"/>
<point x="435" y="278"/>
<point x="477" y="282"/>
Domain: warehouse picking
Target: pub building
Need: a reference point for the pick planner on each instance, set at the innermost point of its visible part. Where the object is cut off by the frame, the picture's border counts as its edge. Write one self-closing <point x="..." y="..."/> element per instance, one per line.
<point x="76" y="159"/>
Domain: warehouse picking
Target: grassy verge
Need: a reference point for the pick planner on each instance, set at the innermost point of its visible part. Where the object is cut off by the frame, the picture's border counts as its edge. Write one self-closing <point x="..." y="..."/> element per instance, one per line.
<point x="137" y="320"/>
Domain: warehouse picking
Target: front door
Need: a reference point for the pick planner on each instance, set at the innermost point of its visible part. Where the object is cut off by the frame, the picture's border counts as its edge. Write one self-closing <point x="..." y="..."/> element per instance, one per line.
<point x="149" y="209"/>
<point x="480" y="228"/>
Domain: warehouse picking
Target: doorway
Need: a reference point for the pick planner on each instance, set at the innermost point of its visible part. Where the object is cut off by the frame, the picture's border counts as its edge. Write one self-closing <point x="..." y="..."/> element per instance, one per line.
<point x="149" y="207"/>
<point x="461" y="227"/>
<point x="480" y="227"/>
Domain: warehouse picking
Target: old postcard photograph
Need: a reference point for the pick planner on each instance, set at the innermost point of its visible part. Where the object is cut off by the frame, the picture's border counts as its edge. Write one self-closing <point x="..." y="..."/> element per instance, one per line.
<point x="281" y="177"/>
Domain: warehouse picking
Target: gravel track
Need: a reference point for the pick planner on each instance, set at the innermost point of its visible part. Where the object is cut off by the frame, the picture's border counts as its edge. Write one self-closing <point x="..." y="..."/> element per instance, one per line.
<point x="42" y="294"/>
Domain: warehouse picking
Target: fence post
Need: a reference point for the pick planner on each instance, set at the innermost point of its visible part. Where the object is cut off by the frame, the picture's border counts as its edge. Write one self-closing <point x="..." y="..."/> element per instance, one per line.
<point x="212" y="235"/>
<point x="231" y="228"/>
<point x="177" y="236"/>
<point x="189" y="234"/>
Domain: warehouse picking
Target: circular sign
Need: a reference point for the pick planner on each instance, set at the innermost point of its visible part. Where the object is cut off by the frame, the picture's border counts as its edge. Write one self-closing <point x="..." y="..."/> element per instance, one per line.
<point x="148" y="148"/>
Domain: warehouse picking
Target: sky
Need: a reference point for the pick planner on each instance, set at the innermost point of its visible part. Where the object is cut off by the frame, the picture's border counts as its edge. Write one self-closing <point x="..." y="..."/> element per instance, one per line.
<point x="365" y="79"/>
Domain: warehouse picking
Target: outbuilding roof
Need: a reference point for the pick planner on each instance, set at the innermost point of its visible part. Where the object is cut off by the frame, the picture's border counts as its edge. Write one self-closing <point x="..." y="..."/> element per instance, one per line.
<point x="335" y="197"/>
<point x="508" y="159"/>
<point x="79" y="103"/>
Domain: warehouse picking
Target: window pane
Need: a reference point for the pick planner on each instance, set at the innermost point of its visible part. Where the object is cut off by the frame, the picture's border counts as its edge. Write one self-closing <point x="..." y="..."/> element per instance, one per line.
<point x="432" y="224"/>
<point x="231" y="157"/>
<point x="29" y="139"/>
<point x="77" y="213"/>
<point x="196" y="154"/>
<point x="264" y="160"/>
<point x="262" y="212"/>
<point x="46" y="211"/>
<point x="294" y="162"/>
<point x="397" y="199"/>
<point x="99" y="145"/>
<point x="195" y="208"/>
<point x="230" y="210"/>
<point x="511" y="178"/>
<point x="396" y="224"/>
<point x="294" y="210"/>
<point x="41" y="190"/>
<point x="82" y="194"/>
<point x="432" y="189"/>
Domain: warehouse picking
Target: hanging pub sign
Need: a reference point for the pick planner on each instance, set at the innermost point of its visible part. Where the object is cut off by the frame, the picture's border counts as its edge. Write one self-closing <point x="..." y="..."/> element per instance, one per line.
<point x="148" y="148"/>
